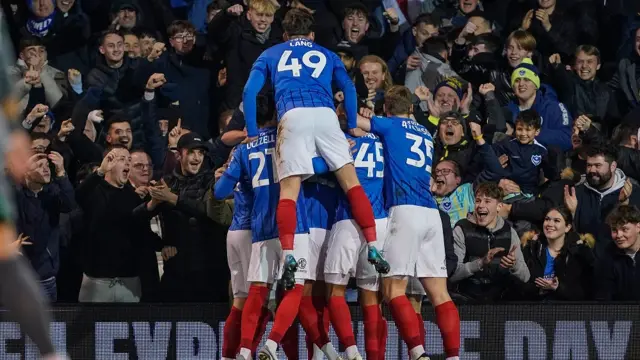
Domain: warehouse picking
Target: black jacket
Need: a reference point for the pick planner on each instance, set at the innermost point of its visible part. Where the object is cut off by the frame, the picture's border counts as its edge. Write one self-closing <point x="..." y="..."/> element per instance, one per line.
<point x="617" y="276"/>
<point x="122" y="88"/>
<point x="39" y="219"/>
<point x="573" y="268"/>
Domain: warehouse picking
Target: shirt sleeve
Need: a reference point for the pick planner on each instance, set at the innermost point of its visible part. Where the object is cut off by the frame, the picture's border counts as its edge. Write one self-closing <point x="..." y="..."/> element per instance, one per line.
<point x="380" y="126"/>
<point x="257" y="78"/>
<point x="227" y="182"/>
<point x="345" y="84"/>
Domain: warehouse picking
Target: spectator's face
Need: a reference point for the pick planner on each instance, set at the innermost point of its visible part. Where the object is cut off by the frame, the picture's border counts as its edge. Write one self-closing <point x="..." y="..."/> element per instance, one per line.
<point x="260" y="21"/>
<point x="132" y="46"/>
<point x="355" y="25"/>
<point x="467" y="6"/>
<point x="450" y="131"/>
<point x="191" y="161"/>
<point x="120" y="172"/>
<point x="34" y="54"/>
<point x="554" y="226"/>
<point x="90" y="130"/>
<point x="526" y="133"/>
<point x="447" y="99"/>
<point x="113" y="48"/>
<point x="373" y="75"/>
<point x="120" y="134"/>
<point x="626" y="236"/>
<point x="546" y="4"/>
<point x="445" y="180"/>
<point x="586" y="66"/>
<point x="146" y="44"/>
<point x="183" y="42"/>
<point x="42" y="8"/>
<point x="599" y="171"/>
<point x="524" y="89"/>
<point x="348" y="60"/>
<point x="142" y="170"/>
<point x="477" y="49"/>
<point x="515" y="53"/>
<point x="39" y="146"/>
<point x="486" y="210"/>
<point x="128" y="18"/>
<point x="422" y="32"/>
<point x="65" y="5"/>
<point x="44" y="125"/>
<point x="576" y="141"/>
<point x="164" y="126"/>
<point x="638" y="42"/>
<point x="40" y="173"/>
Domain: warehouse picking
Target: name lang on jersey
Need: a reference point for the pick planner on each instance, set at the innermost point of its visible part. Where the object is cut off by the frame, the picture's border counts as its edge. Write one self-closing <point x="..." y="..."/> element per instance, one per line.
<point x="300" y="42"/>
<point x="415" y="127"/>
<point x="265" y="139"/>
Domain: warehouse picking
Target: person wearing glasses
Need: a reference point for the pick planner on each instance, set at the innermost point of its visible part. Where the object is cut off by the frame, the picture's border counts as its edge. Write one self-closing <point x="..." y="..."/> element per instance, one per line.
<point x="453" y="197"/>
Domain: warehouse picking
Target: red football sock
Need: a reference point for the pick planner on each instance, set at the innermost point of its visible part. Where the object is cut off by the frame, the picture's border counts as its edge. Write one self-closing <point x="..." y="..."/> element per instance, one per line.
<point x="382" y="337"/>
<point x="362" y="212"/>
<point x="341" y="320"/>
<point x="286" y="220"/>
<point x="309" y="320"/>
<point x="405" y="318"/>
<point x="231" y="333"/>
<point x="251" y="314"/>
<point x="286" y="313"/>
<point x="290" y="342"/>
<point x="372" y="315"/>
<point x="448" y="321"/>
<point x="265" y="315"/>
<point x="320" y="303"/>
<point x="423" y="330"/>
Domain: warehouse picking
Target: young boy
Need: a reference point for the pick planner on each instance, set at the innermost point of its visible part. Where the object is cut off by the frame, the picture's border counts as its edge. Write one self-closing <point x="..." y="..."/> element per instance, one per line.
<point x="522" y="157"/>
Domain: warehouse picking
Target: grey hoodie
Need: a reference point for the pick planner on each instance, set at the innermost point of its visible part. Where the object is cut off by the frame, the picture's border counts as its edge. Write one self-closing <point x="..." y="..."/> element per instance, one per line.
<point x="465" y="270"/>
<point x="432" y="71"/>
<point x="618" y="183"/>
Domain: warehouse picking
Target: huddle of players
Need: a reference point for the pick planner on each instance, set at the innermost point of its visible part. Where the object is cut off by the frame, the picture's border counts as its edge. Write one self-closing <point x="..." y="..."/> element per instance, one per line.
<point x="332" y="246"/>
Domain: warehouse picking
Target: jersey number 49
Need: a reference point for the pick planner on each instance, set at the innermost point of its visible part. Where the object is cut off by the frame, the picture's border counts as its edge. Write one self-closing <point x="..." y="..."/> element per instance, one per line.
<point x="295" y="67"/>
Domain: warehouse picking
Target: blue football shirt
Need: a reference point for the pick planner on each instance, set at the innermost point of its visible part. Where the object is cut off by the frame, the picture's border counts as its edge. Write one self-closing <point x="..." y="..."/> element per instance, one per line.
<point x="242" y="205"/>
<point x="321" y="198"/>
<point x="408" y="151"/>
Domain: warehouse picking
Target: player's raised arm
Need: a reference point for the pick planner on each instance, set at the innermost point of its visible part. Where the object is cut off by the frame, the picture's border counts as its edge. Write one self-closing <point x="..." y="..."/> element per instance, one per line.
<point x="350" y="96"/>
<point x="256" y="81"/>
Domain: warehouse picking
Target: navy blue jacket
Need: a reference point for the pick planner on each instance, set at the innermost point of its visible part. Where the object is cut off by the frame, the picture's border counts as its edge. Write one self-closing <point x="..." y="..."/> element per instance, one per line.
<point x="39" y="218"/>
<point x="617" y="276"/>
<point x="556" y="120"/>
<point x="525" y="163"/>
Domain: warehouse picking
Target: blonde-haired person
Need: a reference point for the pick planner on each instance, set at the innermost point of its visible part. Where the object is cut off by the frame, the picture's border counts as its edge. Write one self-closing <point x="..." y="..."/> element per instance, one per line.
<point x="559" y="259"/>
<point x="377" y="78"/>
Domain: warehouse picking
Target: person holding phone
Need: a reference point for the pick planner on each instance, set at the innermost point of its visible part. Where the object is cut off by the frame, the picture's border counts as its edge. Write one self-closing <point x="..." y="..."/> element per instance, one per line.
<point x="488" y="250"/>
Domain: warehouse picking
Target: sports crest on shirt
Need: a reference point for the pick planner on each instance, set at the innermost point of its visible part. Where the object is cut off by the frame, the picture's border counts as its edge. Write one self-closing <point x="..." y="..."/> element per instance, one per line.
<point x="536" y="159"/>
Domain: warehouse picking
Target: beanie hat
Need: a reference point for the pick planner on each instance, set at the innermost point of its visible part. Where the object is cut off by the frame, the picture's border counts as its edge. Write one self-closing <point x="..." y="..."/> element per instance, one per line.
<point x="526" y="70"/>
<point x="453" y="84"/>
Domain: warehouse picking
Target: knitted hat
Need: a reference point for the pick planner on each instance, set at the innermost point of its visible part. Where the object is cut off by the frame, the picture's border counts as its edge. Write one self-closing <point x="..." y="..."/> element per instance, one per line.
<point x="526" y="70"/>
<point x="453" y="84"/>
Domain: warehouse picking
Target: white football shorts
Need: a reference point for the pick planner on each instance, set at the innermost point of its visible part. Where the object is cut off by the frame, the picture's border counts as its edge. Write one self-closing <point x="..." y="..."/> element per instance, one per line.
<point x="318" y="241"/>
<point x="266" y="260"/>
<point x="347" y="254"/>
<point x="414" y="245"/>
<point x="305" y="133"/>
<point x="238" y="257"/>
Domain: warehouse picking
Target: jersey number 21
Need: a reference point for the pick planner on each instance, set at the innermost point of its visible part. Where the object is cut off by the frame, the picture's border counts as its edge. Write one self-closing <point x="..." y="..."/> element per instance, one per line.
<point x="295" y="67"/>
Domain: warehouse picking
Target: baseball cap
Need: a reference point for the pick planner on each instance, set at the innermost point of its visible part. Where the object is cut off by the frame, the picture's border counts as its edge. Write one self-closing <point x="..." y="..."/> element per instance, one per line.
<point x="191" y="141"/>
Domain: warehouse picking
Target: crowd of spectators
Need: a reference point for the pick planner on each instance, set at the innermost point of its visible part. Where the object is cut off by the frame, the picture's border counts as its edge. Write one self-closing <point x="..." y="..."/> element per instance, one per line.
<point x="134" y="106"/>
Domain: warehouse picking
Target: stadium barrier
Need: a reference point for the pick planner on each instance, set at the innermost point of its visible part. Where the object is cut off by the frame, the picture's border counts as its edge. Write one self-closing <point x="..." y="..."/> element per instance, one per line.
<point x="193" y="332"/>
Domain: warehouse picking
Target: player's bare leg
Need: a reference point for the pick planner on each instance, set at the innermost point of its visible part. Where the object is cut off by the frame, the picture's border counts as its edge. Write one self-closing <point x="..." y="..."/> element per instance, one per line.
<point x="447" y="317"/>
<point x="341" y="319"/>
<point x="232" y="329"/>
<point x="287" y="221"/>
<point x="362" y="214"/>
<point x="394" y="293"/>
<point x="311" y="323"/>
<point x="373" y="323"/>
<point x="251" y="314"/>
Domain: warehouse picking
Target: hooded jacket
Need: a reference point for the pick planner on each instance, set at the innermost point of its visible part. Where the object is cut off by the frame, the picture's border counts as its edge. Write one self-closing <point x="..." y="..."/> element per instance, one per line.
<point x="556" y="121"/>
<point x="593" y="207"/>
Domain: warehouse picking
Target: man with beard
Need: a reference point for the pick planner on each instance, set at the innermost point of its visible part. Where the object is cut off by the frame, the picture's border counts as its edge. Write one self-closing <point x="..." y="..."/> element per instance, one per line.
<point x="40" y="201"/>
<point x="453" y="198"/>
<point x="113" y="236"/>
<point x="603" y="191"/>
<point x="488" y="249"/>
<point x="119" y="132"/>
<point x="181" y="199"/>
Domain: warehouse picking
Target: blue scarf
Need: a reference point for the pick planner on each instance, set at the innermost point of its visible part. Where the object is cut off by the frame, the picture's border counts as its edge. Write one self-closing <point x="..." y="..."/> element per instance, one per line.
<point x="39" y="27"/>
